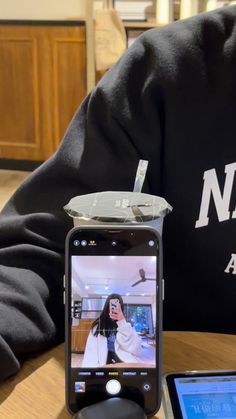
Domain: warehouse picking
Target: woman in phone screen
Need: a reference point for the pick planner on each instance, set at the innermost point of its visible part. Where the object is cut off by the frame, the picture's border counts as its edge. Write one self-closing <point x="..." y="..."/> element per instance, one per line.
<point x="112" y="339"/>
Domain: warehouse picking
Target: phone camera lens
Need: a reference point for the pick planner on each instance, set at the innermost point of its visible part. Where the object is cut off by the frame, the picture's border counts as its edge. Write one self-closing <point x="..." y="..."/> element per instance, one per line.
<point x="84" y="243"/>
<point x="114" y="243"/>
<point x="151" y="243"/>
<point x="76" y="243"/>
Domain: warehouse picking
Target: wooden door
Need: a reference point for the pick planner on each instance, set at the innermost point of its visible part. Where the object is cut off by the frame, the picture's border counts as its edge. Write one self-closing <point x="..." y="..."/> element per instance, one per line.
<point x="42" y="82"/>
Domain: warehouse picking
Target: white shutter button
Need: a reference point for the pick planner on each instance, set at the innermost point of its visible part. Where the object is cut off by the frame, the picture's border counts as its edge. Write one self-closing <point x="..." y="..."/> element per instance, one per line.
<point x="113" y="387"/>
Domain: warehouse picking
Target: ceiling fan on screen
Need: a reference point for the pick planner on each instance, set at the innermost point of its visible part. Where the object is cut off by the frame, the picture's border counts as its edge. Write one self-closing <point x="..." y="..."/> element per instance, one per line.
<point x="142" y="278"/>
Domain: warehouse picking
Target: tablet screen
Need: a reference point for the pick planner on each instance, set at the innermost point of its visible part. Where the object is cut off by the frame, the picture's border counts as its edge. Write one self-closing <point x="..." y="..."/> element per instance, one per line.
<point x="206" y="397"/>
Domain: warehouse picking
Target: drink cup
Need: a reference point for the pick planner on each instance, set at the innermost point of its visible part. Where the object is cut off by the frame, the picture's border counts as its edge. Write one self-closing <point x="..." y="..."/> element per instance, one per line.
<point x="114" y="207"/>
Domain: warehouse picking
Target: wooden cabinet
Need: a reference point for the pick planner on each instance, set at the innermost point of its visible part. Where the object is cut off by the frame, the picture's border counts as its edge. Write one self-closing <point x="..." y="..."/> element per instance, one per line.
<point x="42" y="82"/>
<point x="80" y="334"/>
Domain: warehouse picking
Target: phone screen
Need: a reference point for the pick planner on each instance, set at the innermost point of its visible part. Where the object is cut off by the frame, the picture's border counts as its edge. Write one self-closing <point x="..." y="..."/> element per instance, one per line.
<point x="113" y="317"/>
<point x="204" y="396"/>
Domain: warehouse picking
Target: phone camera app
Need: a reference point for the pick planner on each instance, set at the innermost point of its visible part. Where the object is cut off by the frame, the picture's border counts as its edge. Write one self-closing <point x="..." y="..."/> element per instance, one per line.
<point x="114" y="309"/>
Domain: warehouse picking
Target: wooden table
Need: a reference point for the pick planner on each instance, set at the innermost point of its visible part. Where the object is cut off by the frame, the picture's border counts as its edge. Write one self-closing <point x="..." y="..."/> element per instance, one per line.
<point x="37" y="392"/>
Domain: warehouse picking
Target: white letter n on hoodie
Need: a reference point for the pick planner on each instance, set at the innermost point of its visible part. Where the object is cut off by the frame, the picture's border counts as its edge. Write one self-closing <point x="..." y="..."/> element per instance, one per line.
<point x="222" y="202"/>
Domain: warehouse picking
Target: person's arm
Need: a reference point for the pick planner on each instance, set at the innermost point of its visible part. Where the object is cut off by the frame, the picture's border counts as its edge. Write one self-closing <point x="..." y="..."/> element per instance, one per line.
<point x="118" y="123"/>
<point x="127" y="338"/>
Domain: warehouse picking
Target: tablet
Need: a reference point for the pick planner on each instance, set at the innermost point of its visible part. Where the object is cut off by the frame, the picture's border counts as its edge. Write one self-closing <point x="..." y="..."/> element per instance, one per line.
<point x="200" y="395"/>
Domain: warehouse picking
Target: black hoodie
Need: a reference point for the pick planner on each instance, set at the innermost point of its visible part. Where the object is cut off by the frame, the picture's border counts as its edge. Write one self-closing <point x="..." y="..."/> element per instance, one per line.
<point x="171" y="100"/>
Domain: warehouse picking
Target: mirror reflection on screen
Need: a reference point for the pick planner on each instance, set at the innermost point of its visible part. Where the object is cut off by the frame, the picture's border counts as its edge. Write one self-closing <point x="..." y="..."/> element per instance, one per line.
<point x="113" y="311"/>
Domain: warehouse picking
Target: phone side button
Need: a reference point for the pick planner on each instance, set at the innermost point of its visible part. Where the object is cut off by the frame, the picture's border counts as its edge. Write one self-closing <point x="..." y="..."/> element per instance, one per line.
<point x="163" y="289"/>
<point x="64" y="281"/>
<point x="64" y="297"/>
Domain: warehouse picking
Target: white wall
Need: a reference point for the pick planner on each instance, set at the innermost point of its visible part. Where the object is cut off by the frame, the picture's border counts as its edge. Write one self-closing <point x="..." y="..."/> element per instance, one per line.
<point x="41" y="9"/>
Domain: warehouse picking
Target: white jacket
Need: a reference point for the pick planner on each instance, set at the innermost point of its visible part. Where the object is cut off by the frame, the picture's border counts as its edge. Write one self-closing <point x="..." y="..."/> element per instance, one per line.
<point x="127" y="346"/>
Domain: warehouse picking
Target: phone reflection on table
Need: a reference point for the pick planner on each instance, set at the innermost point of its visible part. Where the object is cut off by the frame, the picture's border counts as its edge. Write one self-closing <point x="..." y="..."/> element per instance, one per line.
<point x="113" y="311"/>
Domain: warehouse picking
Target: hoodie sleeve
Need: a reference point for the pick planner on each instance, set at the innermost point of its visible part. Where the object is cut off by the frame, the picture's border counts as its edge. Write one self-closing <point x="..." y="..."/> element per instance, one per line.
<point x="125" y="118"/>
<point x="117" y="124"/>
<point x="90" y="358"/>
<point x="127" y="338"/>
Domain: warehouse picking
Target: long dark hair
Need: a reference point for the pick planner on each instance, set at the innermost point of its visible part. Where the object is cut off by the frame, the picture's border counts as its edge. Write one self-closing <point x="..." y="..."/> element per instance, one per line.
<point x="104" y="324"/>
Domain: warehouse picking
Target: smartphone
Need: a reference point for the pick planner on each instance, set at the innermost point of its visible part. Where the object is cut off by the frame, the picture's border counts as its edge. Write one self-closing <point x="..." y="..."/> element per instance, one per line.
<point x="200" y="395"/>
<point x="114" y="305"/>
<point x="113" y="267"/>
